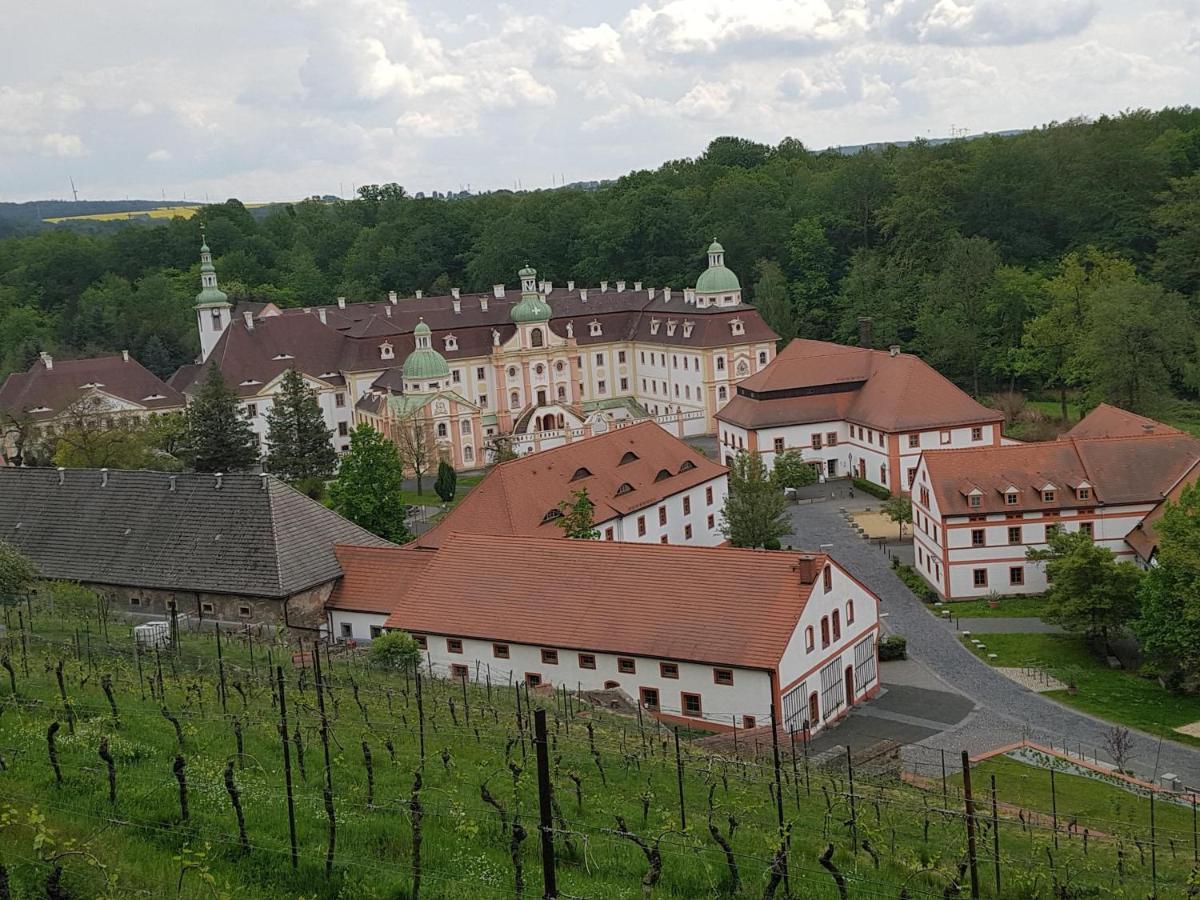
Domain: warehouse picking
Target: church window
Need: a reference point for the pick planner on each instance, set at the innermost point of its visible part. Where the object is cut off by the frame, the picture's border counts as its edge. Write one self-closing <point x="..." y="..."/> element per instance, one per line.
<point x="561" y="392"/>
<point x="599" y="359"/>
<point x="483" y="400"/>
<point x="721" y="393"/>
<point x="479" y="373"/>
<point x="465" y="426"/>
<point x="737" y="326"/>
<point x="539" y="369"/>
<point x="621" y="357"/>
<point x="558" y="366"/>
<point x="594" y="329"/>
<point x="743" y="368"/>
<point x="451" y="342"/>
<point x="468" y="454"/>
<point x="602" y="386"/>
<point x="624" y="385"/>
<point x="720" y="364"/>
<point x="441" y="429"/>
<point x="343" y="429"/>
<point x="762" y="357"/>
<point x="536" y="338"/>
<point x="339" y="400"/>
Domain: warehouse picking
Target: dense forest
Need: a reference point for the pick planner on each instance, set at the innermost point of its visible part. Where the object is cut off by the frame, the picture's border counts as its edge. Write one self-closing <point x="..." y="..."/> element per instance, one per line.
<point x="1063" y="259"/>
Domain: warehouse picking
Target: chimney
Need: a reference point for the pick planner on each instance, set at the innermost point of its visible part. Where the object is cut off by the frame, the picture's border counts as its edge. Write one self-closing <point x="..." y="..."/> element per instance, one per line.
<point x="620" y="286"/>
<point x="218" y="476"/>
<point x="249" y="317"/>
<point x="894" y="350"/>
<point x="483" y="300"/>
<point x="387" y="311"/>
<point x="104" y="478"/>
<point x="457" y="304"/>
<point x="603" y="286"/>
<point x="454" y="292"/>
<point x="171" y="483"/>
<point x="498" y="291"/>
<point x="392" y="298"/>
<point x="570" y="285"/>
<point x="547" y="287"/>
<point x="62" y="475"/>
<point x="542" y="286"/>
<point x="650" y="292"/>
<point x="341" y="302"/>
<point x="262" y="481"/>
<point x="321" y="315"/>
<point x="666" y="295"/>
<point x="583" y="295"/>
<point x="637" y="285"/>
<point x="806" y="567"/>
<point x="866" y="331"/>
<point x="125" y="355"/>
<point x="689" y="295"/>
<point x="47" y="359"/>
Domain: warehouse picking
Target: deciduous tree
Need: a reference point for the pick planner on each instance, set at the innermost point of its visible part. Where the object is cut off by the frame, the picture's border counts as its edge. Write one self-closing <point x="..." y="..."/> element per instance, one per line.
<point x="369" y="486"/>
<point x="578" y="519"/>
<point x="17" y="571"/>
<point x="755" y="513"/>
<point x="791" y="471"/>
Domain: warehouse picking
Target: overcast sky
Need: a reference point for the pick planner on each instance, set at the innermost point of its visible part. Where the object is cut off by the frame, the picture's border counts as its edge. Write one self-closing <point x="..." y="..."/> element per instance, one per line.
<point x="281" y="99"/>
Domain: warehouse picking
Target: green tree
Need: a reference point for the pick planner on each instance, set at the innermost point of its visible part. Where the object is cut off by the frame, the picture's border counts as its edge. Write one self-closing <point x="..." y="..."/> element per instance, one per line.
<point x="219" y="437"/>
<point x="1178" y="225"/>
<point x="369" y="486"/>
<point x="446" y="484"/>
<point x="17" y="571"/>
<point x="755" y="513"/>
<point x="502" y="448"/>
<point x="791" y="471"/>
<point x="771" y="298"/>
<point x="1168" y="623"/>
<point x="578" y="517"/>
<point x="299" y="444"/>
<point x="1090" y="592"/>
<point x="395" y="650"/>
<point x="898" y="508"/>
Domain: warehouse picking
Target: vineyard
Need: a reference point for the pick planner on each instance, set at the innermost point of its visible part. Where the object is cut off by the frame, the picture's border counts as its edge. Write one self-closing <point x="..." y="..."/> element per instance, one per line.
<point x="239" y="764"/>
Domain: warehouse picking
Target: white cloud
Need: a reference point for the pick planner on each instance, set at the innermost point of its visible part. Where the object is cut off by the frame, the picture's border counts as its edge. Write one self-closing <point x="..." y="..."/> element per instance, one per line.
<point x="708" y="100"/>
<point x="67" y="146"/>
<point x="983" y="22"/>
<point x="159" y="155"/>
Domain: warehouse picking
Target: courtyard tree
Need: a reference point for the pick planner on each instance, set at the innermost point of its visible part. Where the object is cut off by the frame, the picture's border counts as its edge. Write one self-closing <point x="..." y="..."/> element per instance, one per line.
<point x="298" y="441"/>
<point x="1168" y="624"/>
<point x="369" y="486"/>
<point x="791" y="471"/>
<point x="578" y="519"/>
<point x="219" y="439"/>
<point x="755" y="509"/>
<point x="446" y="484"/>
<point x="17" y="571"/>
<point x="1090" y="592"/>
<point x="417" y="447"/>
<point x="898" y="508"/>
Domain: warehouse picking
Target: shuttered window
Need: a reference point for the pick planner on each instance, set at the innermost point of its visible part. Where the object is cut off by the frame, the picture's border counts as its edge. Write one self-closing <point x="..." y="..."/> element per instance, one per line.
<point x="794" y="707"/>
<point x="864" y="663"/>
<point x="833" y="688"/>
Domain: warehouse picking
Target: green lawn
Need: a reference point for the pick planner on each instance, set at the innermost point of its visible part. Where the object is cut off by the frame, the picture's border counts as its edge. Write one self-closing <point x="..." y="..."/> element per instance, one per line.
<point x="1112" y="694"/>
<point x="1052" y="409"/>
<point x="430" y="498"/>
<point x="1010" y="607"/>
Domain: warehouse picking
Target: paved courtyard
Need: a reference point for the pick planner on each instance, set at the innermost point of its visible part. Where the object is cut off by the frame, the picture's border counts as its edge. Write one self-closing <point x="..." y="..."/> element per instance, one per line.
<point x="1004" y="711"/>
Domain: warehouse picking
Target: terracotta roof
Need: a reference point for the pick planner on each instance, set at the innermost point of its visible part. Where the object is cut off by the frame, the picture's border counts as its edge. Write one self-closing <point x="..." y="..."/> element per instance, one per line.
<point x="376" y="579"/>
<point x="515" y="496"/>
<point x="1112" y="421"/>
<point x="1119" y="470"/>
<point x="56" y="387"/>
<point x="816" y="381"/>
<point x="703" y="604"/>
<point x="1143" y="537"/>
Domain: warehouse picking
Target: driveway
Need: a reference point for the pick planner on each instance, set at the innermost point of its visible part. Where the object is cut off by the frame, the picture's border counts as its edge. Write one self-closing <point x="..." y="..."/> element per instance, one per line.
<point x="1004" y="711"/>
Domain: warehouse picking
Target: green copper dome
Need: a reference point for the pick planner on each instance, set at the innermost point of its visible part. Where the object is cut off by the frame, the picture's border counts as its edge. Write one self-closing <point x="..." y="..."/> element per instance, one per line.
<point x="527" y="272"/>
<point x="210" y="294"/>
<point x="714" y="247"/>
<point x="532" y="308"/>
<point x="424" y="362"/>
<point x="717" y="280"/>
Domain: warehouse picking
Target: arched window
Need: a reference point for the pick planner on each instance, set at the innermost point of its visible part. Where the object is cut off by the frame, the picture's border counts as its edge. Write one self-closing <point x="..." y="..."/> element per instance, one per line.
<point x="720" y="364"/>
<point x="825" y="631"/>
<point x="837" y="625"/>
<point x="721" y="393"/>
<point x="810" y="640"/>
<point x="441" y="429"/>
<point x="687" y="466"/>
<point x="465" y="427"/>
<point x="468" y="454"/>
<point x="849" y="612"/>
<point x="535" y="338"/>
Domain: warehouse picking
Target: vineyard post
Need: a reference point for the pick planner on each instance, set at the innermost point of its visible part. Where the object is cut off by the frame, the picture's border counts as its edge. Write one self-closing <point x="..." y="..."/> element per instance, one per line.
<point x="795" y="771"/>
<point x="945" y="793"/>
<point x="1195" y="842"/>
<point x="1153" y="851"/>
<point x="807" y="780"/>
<point x="787" y="889"/>
<point x="420" y="714"/>
<point x="137" y="653"/>
<point x="250" y="642"/>
<point x="995" y="836"/>
<point x="641" y="728"/>
<point x="1054" y="808"/>
<point x="545" y="820"/>
<point x="466" y="702"/>
<point x="853" y="810"/>
<point x="220" y="670"/>
<point x="24" y="646"/>
<point x="328" y="792"/>
<point x="679" y="778"/>
<point x="969" y="801"/>
<point x="287" y="765"/>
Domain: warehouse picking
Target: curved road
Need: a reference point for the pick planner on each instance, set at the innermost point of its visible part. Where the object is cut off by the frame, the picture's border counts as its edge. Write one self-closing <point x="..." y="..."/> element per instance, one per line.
<point x="1005" y="711"/>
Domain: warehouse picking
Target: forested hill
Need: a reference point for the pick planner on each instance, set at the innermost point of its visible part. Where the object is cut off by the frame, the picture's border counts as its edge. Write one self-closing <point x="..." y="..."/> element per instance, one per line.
<point x="1063" y="256"/>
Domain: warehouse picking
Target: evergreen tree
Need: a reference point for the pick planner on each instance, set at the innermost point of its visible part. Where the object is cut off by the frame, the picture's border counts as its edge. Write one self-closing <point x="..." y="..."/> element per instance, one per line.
<point x="578" y="517"/>
<point x="298" y="441"/>
<point x="447" y="482"/>
<point x="369" y="486"/>
<point x="219" y="437"/>
<point x="755" y="509"/>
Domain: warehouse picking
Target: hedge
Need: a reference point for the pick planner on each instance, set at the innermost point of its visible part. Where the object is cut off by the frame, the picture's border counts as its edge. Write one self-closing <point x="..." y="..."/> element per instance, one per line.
<point x="870" y="487"/>
<point x="914" y="582"/>
<point x="892" y="647"/>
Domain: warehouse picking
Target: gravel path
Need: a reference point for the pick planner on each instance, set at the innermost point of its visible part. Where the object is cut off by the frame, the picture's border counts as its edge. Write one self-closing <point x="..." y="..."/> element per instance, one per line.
<point x="1005" y="711"/>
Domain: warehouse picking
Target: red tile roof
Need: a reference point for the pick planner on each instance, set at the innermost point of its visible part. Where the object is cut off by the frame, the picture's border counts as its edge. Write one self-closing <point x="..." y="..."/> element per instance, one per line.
<point x="1112" y="421"/>
<point x="376" y="579"/>
<point x="1143" y="537"/>
<point x="515" y="496"/>
<point x="1120" y="470"/>
<point x="702" y="604"/>
<point x="816" y="381"/>
<point x="56" y="388"/>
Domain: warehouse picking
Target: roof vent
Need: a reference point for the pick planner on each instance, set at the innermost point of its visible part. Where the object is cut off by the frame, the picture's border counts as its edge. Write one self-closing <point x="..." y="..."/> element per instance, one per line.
<point x="581" y="472"/>
<point x="455" y="292"/>
<point x="171" y="483"/>
<point x="637" y="285"/>
<point x="262" y="481"/>
<point x="666" y="295"/>
<point x="341" y="302"/>
<point x="387" y="311"/>
<point x="125" y="355"/>
<point x="420" y="294"/>
<point x="663" y="475"/>
<point x="392" y="298"/>
<point x="321" y="315"/>
<point x="894" y="350"/>
<point x="104" y="478"/>
<point x="457" y="304"/>
<point x="624" y="489"/>
<point x="583" y="295"/>
<point x="249" y="318"/>
<point x="687" y="466"/>
<point x="570" y="285"/>
<point x="650" y="293"/>
<point x="217" y="476"/>
<point x="551" y="515"/>
<point x="629" y="457"/>
<point x="62" y="475"/>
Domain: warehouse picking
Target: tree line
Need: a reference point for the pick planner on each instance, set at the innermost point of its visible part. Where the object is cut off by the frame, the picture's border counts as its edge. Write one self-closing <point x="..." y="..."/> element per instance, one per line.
<point x="1008" y="262"/>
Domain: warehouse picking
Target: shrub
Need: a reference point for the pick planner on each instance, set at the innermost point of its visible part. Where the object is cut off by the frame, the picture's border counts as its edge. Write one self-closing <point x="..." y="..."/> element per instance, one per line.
<point x="914" y="582"/>
<point x="395" y="650"/>
<point x="893" y="647"/>
<point x="870" y="487"/>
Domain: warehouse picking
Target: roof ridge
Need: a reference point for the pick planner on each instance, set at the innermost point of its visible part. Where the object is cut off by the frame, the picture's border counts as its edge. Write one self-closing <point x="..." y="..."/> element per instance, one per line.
<point x="640" y="546"/>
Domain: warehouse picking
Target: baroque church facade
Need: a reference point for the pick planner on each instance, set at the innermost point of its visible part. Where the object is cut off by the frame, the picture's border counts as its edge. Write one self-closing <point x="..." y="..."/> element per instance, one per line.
<point x="548" y="366"/>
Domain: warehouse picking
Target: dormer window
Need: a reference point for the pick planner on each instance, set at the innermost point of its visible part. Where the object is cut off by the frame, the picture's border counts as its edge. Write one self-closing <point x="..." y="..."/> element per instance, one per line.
<point x="551" y="515"/>
<point x="282" y="356"/>
<point x="629" y="457"/>
<point x="1010" y="498"/>
<point x="451" y="342"/>
<point x="687" y="466"/>
<point x="594" y="328"/>
<point x="687" y="328"/>
<point x="624" y="489"/>
<point x="581" y="472"/>
<point x="662" y="475"/>
<point x="1048" y="495"/>
<point x="974" y="501"/>
<point x="387" y="351"/>
<point x="671" y="325"/>
<point x="654" y="323"/>
<point x="737" y="326"/>
<point x="1083" y="493"/>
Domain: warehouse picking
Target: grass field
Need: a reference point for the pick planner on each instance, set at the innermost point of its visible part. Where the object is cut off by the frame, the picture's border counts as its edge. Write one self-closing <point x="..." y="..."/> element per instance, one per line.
<point x="430" y="497"/>
<point x="613" y="780"/>
<point x="1113" y="694"/>
<point x="1010" y="607"/>
<point x="158" y="212"/>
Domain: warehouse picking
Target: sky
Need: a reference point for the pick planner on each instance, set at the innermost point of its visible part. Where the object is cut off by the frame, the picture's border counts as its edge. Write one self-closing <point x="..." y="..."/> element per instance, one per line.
<point x="282" y="99"/>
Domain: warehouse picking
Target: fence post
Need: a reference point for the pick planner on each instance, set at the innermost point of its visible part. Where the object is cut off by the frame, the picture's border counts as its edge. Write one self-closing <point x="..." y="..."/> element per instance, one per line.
<point x="679" y="778"/>
<point x="545" y="820"/>
<point x="969" y="801"/>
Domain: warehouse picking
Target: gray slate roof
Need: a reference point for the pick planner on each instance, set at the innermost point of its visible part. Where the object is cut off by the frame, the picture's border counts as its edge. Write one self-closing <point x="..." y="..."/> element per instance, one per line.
<point x="252" y="536"/>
